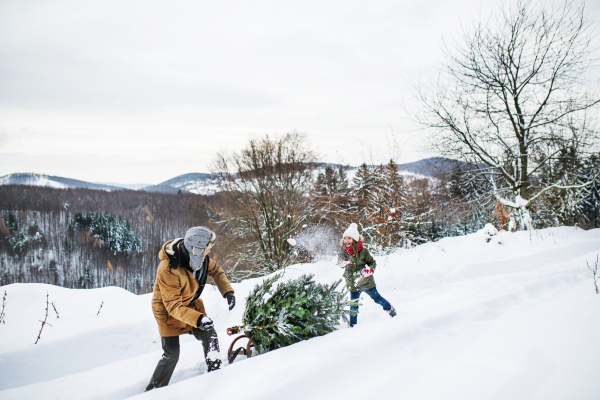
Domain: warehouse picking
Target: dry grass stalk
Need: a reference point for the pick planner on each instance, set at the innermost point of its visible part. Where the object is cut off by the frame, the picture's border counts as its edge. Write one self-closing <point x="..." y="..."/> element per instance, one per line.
<point x="2" y="313"/>
<point x="594" y="271"/>
<point x="55" y="310"/>
<point x="44" y="323"/>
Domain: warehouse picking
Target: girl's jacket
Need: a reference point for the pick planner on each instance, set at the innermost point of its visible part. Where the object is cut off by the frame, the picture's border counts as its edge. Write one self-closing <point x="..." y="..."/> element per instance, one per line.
<point x="355" y="281"/>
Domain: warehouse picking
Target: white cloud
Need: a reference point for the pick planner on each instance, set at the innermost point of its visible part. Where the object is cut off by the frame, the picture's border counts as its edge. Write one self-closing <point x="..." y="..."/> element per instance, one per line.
<point x="128" y="79"/>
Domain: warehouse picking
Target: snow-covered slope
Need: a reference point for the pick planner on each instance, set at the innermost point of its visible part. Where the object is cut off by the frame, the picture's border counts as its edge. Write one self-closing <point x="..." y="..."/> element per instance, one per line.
<point x="513" y="318"/>
<point x="31" y="180"/>
<point x="195" y="182"/>
<point x="58" y="182"/>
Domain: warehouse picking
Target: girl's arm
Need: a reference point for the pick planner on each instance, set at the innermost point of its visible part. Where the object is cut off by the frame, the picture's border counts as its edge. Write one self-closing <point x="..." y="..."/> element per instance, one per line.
<point x="370" y="261"/>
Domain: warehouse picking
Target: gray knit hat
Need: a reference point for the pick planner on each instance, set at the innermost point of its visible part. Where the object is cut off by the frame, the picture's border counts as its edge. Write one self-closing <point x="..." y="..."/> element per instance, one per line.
<point x="196" y="241"/>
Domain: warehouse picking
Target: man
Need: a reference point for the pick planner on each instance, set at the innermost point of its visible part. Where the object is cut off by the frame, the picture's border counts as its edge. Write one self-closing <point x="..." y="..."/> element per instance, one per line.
<point x="176" y="304"/>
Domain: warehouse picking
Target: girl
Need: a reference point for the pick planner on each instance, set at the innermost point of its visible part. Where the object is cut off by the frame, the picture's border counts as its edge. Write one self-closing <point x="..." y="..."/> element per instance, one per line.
<point x="358" y="270"/>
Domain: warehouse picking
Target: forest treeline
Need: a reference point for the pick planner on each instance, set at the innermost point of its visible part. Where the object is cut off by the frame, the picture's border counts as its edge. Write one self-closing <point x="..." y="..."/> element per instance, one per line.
<point x="45" y="234"/>
<point x="84" y="238"/>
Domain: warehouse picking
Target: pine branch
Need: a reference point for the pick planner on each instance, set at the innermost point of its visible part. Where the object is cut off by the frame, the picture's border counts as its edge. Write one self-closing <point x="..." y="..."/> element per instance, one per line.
<point x="44" y="323"/>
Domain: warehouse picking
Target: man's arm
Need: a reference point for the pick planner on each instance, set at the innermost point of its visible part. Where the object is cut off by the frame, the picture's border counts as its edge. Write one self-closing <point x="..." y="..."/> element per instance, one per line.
<point x="216" y="272"/>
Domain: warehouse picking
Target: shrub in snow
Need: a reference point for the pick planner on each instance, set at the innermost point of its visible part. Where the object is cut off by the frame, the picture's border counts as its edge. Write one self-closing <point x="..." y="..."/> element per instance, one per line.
<point x="116" y="233"/>
<point x="292" y="311"/>
<point x="488" y="232"/>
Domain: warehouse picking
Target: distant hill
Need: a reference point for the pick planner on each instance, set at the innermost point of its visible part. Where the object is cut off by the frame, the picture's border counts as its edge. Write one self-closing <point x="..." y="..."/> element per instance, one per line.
<point x="195" y="182"/>
<point x="130" y="186"/>
<point x="431" y="166"/>
<point x="32" y="179"/>
<point x="160" y="188"/>
<point x="206" y="184"/>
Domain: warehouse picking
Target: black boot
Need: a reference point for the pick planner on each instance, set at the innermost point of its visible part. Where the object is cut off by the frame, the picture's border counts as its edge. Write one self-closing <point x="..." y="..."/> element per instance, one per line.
<point x="213" y="365"/>
<point x="210" y="344"/>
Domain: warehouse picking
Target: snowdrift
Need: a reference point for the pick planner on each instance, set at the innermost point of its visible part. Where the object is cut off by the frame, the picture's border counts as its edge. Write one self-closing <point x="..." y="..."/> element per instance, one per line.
<point x="515" y="317"/>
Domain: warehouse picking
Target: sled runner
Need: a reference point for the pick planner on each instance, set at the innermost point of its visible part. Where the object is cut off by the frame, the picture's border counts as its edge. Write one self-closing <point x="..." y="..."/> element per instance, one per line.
<point x="247" y="351"/>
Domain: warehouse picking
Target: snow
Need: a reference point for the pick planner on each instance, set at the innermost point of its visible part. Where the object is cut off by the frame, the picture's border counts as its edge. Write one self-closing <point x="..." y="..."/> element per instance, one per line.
<point x="513" y="318"/>
<point x="291" y="241"/>
<point x="199" y="186"/>
<point x="32" y="180"/>
<point x="488" y="231"/>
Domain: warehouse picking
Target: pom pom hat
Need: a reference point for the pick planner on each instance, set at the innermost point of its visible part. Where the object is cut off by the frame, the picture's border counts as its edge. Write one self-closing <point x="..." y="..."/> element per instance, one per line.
<point x="352" y="231"/>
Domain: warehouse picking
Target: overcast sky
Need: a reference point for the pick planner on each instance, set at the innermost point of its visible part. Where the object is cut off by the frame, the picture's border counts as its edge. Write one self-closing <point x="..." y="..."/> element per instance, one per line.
<point x="133" y="91"/>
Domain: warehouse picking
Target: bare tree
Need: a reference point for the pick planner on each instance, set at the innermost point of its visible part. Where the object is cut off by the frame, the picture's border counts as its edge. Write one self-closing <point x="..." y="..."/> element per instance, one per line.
<point x="512" y="95"/>
<point x="267" y="185"/>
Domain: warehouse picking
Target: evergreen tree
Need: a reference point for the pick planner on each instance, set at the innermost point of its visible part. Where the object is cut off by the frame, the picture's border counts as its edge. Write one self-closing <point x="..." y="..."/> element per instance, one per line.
<point x="331" y="200"/>
<point x="86" y="281"/>
<point x="590" y="206"/>
<point x="363" y="186"/>
<point x="116" y="233"/>
<point x="560" y="207"/>
<point x="387" y="210"/>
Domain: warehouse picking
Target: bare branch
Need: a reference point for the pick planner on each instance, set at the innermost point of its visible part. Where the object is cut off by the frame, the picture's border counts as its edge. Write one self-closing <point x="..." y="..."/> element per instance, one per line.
<point x="555" y="186"/>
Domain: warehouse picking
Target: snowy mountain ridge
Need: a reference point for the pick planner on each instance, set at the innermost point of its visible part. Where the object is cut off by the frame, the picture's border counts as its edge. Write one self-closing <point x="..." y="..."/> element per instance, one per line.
<point x="206" y="184"/>
<point x="198" y="183"/>
<point x="33" y="179"/>
<point x="515" y="317"/>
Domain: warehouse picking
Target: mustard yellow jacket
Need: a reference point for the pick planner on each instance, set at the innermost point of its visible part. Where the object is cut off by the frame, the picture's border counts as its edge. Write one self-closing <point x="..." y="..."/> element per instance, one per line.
<point x="173" y="303"/>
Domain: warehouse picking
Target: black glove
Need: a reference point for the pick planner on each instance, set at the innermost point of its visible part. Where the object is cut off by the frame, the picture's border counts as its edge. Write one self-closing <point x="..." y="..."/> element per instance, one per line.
<point x="205" y="323"/>
<point x="230" y="300"/>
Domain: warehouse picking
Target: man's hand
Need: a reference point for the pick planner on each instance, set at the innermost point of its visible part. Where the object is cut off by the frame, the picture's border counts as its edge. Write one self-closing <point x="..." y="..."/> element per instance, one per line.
<point x="205" y="323"/>
<point x="367" y="272"/>
<point x="230" y="300"/>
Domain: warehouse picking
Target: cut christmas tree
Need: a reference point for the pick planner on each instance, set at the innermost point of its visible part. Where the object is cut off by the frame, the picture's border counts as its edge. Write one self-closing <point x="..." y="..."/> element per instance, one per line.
<point x="280" y="314"/>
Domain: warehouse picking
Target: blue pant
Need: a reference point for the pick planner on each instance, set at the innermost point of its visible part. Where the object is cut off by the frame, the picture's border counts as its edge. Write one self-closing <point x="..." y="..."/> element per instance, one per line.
<point x="377" y="298"/>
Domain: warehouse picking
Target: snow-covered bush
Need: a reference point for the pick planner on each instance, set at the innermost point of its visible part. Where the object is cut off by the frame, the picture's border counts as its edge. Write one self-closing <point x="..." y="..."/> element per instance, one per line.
<point x="488" y="232"/>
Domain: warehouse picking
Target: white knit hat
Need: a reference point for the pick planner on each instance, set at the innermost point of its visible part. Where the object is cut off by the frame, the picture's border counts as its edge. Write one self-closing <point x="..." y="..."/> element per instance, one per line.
<point x="352" y="231"/>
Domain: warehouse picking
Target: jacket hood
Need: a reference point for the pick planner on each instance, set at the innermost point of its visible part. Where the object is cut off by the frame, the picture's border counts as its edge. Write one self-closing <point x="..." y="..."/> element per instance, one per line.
<point x="167" y="248"/>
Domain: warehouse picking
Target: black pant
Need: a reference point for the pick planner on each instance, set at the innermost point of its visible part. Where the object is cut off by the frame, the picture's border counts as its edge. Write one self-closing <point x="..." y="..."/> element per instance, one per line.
<point x="166" y="365"/>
